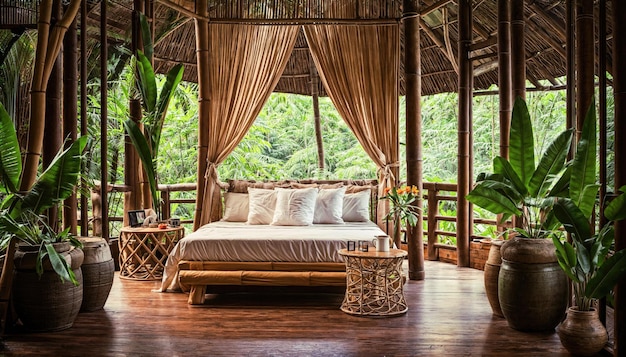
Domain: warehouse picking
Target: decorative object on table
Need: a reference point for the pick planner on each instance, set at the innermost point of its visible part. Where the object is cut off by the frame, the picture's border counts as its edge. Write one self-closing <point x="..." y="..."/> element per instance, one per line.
<point x="363" y="246"/>
<point x="532" y="289"/>
<point x="402" y="209"/>
<point x="381" y="243"/>
<point x="136" y="218"/>
<point x="174" y="222"/>
<point x="351" y="246"/>
<point x="98" y="272"/>
<point x="586" y="259"/>
<point x="162" y="226"/>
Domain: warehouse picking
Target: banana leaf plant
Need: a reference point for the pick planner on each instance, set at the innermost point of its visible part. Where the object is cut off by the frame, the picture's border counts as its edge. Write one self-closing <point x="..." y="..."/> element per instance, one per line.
<point x="586" y="259"/>
<point x="520" y="187"/>
<point x="20" y="210"/>
<point x="155" y="107"/>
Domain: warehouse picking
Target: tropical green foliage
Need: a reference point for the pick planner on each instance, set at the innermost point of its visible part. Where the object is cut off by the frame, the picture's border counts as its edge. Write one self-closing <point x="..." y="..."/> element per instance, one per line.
<point x="584" y="260"/>
<point x="519" y="186"/>
<point x="19" y="211"/>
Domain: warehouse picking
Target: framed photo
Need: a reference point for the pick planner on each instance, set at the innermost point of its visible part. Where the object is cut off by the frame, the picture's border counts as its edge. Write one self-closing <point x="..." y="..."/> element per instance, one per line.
<point x="136" y="218"/>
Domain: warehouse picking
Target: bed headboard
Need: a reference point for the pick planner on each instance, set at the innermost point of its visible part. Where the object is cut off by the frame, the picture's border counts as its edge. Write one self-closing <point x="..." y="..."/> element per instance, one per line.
<point x="352" y="186"/>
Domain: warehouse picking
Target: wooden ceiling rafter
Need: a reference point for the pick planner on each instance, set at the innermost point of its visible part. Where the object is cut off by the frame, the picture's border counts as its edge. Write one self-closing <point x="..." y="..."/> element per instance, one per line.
<point x="439" y="41"/>
<point x="447" y="40"/>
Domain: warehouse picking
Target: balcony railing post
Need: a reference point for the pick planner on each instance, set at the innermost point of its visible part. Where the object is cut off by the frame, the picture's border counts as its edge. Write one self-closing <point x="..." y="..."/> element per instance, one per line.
<point x="433" y="223"/>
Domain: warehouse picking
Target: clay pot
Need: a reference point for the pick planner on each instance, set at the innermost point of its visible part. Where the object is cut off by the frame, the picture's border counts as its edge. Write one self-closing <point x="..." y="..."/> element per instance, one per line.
<point x="492" y="270"/>
<point x="582" y="333"/>
<point x="532" y="287"/>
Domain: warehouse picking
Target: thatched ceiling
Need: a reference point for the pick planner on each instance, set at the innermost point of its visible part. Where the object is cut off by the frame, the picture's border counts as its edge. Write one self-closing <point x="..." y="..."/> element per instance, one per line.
<point x="545" y="35"/>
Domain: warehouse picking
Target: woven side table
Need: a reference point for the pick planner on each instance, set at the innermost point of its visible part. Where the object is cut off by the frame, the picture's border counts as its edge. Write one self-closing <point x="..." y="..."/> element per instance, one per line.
<point x="374" y="283"/>
<point x="144" y="251"/>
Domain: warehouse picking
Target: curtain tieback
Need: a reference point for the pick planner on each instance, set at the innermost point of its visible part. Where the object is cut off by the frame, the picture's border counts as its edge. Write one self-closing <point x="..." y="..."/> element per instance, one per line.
<point x="387" y="173"/>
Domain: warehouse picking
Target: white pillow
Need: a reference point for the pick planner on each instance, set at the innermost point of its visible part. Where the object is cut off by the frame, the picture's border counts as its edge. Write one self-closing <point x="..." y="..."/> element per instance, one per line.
<point x="356" y="207"/>
<point x="261" y="205"/>
<point x="294" y="207"/>
<point x="235" y="207"/>
<point x="329" y="206"/>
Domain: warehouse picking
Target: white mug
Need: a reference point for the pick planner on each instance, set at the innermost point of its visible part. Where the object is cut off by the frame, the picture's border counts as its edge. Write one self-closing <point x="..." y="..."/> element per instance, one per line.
<point x="381" y="243"/>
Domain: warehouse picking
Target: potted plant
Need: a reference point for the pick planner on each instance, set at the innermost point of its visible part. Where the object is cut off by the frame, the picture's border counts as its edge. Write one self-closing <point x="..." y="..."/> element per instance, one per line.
<point x="402" y="209"/>
<point x="20" y="220"/>
<point x="532" y="289"/>
<point x="586" y="259"/>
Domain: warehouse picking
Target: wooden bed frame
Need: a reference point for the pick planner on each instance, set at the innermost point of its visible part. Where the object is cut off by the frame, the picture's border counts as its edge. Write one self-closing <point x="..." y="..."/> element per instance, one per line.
<point x="196" y="276"/>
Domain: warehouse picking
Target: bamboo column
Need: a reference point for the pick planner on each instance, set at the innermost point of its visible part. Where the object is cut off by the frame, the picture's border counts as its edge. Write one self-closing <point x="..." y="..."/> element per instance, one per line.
<point x="569" y="69"/>
<point x="315" y="80"/>
<point x="53" y="126"/>
<point x="464" y="135"/>
<point x="104" y="203"/>
<point x="504" y="74"/>
<point x="585" y="59"/>
<point x="414" y="161"/>
<point x="70" y="114"/>
<point x="619" y="92"/>
<point x="602" y="127"/>
<point x="84" y="204"/>
<point x="518" y="49"/>
<point x="132" y="169"/>
<point x="48" y="47"/>
<point x="204" y="97"/>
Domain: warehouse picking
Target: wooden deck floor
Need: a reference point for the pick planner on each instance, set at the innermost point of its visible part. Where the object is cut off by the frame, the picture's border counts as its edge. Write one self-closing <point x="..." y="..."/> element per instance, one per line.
<point x="448" y="315"/>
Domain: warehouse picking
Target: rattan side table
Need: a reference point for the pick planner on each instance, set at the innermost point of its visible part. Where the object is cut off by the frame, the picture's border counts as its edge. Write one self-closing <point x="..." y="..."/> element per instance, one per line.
<point x="374" y="283"/>
<point x="144" y="251"/>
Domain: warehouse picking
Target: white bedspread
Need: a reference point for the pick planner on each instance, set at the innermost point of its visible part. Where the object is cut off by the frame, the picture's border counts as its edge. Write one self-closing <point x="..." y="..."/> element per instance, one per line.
<point x="234" y="241"/>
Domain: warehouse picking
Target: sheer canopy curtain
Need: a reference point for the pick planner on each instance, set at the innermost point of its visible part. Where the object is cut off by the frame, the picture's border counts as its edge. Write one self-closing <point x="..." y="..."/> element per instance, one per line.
<point x="245" y="64"/>
<point x="359" y="68"/>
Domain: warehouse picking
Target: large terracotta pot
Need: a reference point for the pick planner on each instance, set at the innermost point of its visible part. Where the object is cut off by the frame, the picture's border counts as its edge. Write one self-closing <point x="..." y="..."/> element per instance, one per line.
<point x="532" y="288"/>
<point x="492" y="270"/>
<point x="582" y="333"/>
<point x="46" y="303"/>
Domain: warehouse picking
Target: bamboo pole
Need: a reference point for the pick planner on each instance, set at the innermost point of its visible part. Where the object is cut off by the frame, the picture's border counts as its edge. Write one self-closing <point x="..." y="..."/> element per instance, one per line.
<point x="518" y="50"/>
<point x="602" y="127"/>
<point x="48" y="47"/>
<point x="570" y="70"/>
<point x="321" y="164"/>
<point x="104" y="202"/>
<point x="204" y="97"/>
<point x="414" y="161"/>
<point x="504" y="74"/>
<point x="464" y="128"/>
<point x="70" y="118"/>
<point x="619" y="92"/>
<point x="84" y="203"/>
<point x="585" y="59"/>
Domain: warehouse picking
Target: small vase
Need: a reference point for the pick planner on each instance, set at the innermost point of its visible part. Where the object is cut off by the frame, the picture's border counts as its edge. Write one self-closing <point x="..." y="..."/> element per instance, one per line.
<point x="582" y="333"/>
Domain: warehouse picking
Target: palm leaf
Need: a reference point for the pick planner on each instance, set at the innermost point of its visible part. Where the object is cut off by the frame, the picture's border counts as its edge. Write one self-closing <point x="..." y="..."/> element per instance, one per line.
<point x="603" y="281"/>
<point x="174" y="76"/>
<point x="584" y="165"/>
<point x="566" y="257"/>
<point x="550" y="164"/>
<point x="502" y="167"/>
<point x="147" y="82"/>
<point x="616" y="209"/>
<point x="10" y="159"/>
<point x="143" y="150"/>
<point x="58" y="181"/>
<point x="146" y="36"/>
<point x="574" y="221"/>
<point x="492" y="201"/>
<point x="521" y="142"/>
<point x="59" y="264"/>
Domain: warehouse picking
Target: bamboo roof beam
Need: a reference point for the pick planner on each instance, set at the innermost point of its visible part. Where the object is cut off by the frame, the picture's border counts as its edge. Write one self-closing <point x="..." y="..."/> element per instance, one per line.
<point x="556" y="24"/>
<point x="439" y="41"/>
<point x="491" y="41"/>
<point x="434" y="7"/>
<point x="547" y="38"/>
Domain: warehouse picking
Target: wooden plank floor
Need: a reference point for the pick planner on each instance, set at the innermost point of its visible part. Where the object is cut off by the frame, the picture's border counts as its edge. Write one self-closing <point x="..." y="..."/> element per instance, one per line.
<point x="448" y="315"/>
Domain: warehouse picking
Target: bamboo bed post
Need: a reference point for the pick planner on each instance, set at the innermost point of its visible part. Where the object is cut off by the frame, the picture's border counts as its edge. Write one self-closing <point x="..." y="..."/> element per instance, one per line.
<point x="518" y="49"/>
<point x="204" y="97"/>
<point x="104" y="202"/>
<point x="619" y="92"/>
<point x="414" y="161"/>
<point x="464" y="128"/>
<point x="70" y="119"/>
<point x="585" y="59"/>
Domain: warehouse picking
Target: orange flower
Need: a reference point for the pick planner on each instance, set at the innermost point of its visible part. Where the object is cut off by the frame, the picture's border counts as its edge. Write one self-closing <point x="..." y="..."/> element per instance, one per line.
<point x="386" y="190"/>
<point x="414" y="190"/>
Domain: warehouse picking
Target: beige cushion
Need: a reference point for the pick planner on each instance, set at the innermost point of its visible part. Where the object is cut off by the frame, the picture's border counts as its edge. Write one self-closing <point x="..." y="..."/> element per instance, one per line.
<point x="294" y="207"/>
<point x="329" y="206"/>
<point x="261" y="205"/>
<point x="356" y="207"/>
<point x="235" y="207"/>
